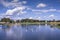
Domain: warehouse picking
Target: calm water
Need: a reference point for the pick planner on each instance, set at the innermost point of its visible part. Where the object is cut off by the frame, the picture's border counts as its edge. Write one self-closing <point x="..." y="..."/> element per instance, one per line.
<point x="29" y="32"/>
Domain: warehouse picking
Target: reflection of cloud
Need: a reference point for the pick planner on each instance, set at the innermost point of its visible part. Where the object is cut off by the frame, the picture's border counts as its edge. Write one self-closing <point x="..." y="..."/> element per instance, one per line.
<point x="0" y="27"/>
<point x="14" y="32"/>
<point x="52" y="29"/>
<point x="9" y="32"/>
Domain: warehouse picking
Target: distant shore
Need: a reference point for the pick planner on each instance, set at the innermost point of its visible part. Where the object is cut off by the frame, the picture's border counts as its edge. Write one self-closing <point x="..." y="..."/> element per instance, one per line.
<point x="8" y="21"/>
<point x="49" y="23"/>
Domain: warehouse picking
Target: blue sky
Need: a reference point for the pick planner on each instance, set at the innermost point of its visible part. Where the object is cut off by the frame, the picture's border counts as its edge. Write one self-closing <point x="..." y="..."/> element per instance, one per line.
<point x="32" y="9"/>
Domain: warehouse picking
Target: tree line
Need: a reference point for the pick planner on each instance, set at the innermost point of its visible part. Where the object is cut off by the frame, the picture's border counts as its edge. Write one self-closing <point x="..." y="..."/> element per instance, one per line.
<point x="24" y="20"/>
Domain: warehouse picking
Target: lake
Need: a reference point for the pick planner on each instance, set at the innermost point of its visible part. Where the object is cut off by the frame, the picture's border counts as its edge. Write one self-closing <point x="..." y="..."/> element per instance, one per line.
<point x="29" y="32"/>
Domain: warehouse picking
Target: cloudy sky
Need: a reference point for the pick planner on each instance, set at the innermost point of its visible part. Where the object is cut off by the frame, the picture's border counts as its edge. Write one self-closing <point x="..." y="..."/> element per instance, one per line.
<point x="32" y="9"/>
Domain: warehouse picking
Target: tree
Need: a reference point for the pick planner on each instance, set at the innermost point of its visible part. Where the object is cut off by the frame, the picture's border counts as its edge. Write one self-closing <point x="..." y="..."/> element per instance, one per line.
<point x="18" y="21"/>
<point x="7" y="20"/>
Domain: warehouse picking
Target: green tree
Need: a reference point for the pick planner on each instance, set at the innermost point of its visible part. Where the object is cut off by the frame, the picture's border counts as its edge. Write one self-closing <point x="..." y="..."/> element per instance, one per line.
<point x="18" y="21"/>
<point x="7" y="20"/>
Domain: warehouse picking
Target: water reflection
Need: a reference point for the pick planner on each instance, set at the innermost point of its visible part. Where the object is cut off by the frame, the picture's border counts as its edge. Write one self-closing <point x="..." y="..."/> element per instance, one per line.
<point x="29" y="32"/>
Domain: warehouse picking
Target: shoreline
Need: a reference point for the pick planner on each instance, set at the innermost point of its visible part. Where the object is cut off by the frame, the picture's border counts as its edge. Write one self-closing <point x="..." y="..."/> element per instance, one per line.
<point x="40" y="23"/>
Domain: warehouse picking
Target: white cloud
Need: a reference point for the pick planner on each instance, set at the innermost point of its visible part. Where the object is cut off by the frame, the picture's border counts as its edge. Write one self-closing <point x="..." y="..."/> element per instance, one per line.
<point x="30" y="17"/>
<point x="2" y="15"/>
<point x="13" y="3"/>
<point x="18" y="18"/>
<point x="40" y="10"/>
<point x="17" y="7"/>
<point x="41" y="5"/>
<point x="18" y="10"/>
<point x="39" y="18"/>
<point x="21" y="12"/>
<point x="7" y="16"/>
<point x="24" y="2"/>
<point x="44" y="11"/>
<point x="58" y="10"/>
<point x="9" y="12"/>
<point x="51" y="16"/>
<point x="52" y="10"/>
<point x="15" y="0"/>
